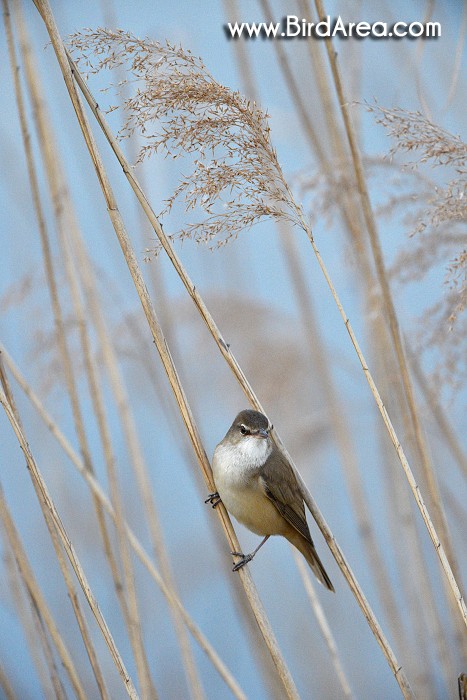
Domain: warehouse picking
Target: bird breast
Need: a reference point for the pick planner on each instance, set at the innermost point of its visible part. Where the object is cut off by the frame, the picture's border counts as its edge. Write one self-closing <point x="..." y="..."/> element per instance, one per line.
<point x="236" y="475"/>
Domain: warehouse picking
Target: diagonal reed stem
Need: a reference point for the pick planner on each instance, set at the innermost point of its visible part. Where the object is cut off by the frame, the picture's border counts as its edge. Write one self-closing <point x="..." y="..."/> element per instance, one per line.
<point x="64" y="352"/>
<point x="32" y="623"/>
<point x="323" y="625"/>
<point x="350" y="212"/>
<point x="5" y="685"/>
<point x="62" y="341"/>
<point x="347" y="209"/>
<point x="97" y="491"/>
<point x="55" y="180"/>
<point x="48" y="507"/>
<point x="41" y="610"/>
<point x="245" y="576"/>
<point x="231" y="360"/>
<point x="393" y="435"/>
<point x="228" y="355"/>
<point x="68" y="227"/>
<point x="445" y="551"/>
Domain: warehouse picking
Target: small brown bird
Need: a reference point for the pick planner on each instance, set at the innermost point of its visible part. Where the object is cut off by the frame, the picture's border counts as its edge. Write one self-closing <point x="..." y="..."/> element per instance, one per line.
<point x="259" y="488"/>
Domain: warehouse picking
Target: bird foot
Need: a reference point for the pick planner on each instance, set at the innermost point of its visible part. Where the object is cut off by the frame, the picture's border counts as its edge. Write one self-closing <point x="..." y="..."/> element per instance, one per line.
<point x="214" y="499"/>
<point x="245" y="558"/>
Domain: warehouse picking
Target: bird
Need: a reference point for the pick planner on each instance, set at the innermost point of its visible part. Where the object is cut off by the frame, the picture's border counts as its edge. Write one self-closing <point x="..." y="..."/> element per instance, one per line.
<point x="258" y="486"/>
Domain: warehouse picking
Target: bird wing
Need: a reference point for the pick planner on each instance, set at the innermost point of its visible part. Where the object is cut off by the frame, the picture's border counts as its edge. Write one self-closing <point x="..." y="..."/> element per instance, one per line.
<point x="283" y="491"/>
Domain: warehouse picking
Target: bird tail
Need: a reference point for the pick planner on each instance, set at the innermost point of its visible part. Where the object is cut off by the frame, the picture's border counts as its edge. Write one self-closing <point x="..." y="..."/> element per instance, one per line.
<point x="311" y="555"/>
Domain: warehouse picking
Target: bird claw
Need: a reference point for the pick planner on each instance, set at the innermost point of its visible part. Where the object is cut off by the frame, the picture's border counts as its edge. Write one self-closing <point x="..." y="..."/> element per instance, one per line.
<point x="245" y="558"/>
<point x="214" y="499"/>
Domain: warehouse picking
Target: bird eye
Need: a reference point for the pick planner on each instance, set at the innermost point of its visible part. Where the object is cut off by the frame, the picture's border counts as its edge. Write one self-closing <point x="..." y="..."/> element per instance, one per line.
<point x="243" y="430"/>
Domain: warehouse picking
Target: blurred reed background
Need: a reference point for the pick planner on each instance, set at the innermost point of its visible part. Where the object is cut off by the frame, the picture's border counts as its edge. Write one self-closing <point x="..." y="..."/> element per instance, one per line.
<point x="125" y="357"/>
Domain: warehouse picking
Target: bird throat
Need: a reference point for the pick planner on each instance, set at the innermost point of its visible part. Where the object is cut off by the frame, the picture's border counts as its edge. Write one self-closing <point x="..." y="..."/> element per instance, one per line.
<point x="250" y="453"/>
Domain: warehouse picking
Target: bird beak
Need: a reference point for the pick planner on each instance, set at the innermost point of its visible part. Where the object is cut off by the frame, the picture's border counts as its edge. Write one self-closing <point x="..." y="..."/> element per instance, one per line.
<point x="262" y="433"/>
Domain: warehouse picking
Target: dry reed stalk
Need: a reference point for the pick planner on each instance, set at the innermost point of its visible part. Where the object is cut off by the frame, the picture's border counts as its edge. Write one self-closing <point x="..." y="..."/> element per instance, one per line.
<point x="135" y="452"/>
<point x="250" y="590"/>
<point x="139" y="550"/>
<point x="68" y="222"/>
<point x="323" y="625"/>
<point x="40" y="623"/>
<point x="30" y="584"/>
<point x="5" y="685"/>
<point x="419" y="50"/>
<point x="33" y="627"/>
<point x="231" y="12"/>
<point x="352" y="474"/>
<point x="421" y="598"/>
<point x="39" y="602"/>
<point x="134" y="619"/>
<point x="130" y="611"/>
<point x="348" y="207"/>
<point x="344" y="439"/>
<point x="129" y="604"/>
<point x="253" y="634"/>
<point x="54" y="536"/>
<point x="60" y="327"/>
<point x="319" y="73"/>
<point x="343" y="436"/>
<point x="447" y="561"/>
<point x="32" y="623"/>
<point x="346" y="204"/>
<point x="430" y="614"/>
<point x="49" y="507"/>
<point x="295" y="91"/>
<point x="395" y="440"/>
<point x="58" y="317"/>
<point x="351" y="218"/>
<point x="227" y="354"/>
<point x="411" y="580"/>
<point x="350" y="213"/>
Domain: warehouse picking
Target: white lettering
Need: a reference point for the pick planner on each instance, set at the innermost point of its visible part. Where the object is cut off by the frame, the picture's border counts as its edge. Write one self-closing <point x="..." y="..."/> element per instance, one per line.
<point x="433" y="29"/>
<point x="292" y="26"/>
<point x="363" y="29"/>
<point x="292" y="23"/>
<point x="375" y="29"/>
<point x="323" y="28"/>
<point x="396" y="29"/>
<point x="339" y="27"/>
<point x="416" y="25"/>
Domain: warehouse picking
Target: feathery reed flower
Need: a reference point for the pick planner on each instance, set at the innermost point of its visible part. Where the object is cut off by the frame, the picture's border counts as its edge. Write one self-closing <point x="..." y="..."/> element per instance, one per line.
<point x="179" y="108"/>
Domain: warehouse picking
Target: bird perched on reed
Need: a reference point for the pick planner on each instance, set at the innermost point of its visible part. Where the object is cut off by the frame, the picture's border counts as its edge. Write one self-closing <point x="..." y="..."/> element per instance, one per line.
<point x="258" y="487"/>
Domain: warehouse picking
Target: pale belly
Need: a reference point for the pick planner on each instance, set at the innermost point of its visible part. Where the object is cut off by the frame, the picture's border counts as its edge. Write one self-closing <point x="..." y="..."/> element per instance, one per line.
<point x="245" y="500"/>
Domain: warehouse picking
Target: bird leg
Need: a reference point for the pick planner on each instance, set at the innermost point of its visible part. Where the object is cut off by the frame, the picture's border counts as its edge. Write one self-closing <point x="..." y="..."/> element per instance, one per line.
<point x="214" y="499"/>
<point x="245" y="558"/>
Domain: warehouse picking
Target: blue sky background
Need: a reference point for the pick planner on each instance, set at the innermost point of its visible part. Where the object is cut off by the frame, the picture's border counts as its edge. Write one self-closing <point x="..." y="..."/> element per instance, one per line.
<point x="248" y="289"/>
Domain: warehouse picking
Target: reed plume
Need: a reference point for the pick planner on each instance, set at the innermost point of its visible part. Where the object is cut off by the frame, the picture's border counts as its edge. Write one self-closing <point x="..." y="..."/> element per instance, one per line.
<point x="179" y="108"/>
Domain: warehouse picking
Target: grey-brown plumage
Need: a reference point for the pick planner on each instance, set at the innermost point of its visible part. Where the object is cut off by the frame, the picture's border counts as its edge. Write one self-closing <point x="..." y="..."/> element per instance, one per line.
<point x="259" y="488"/>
